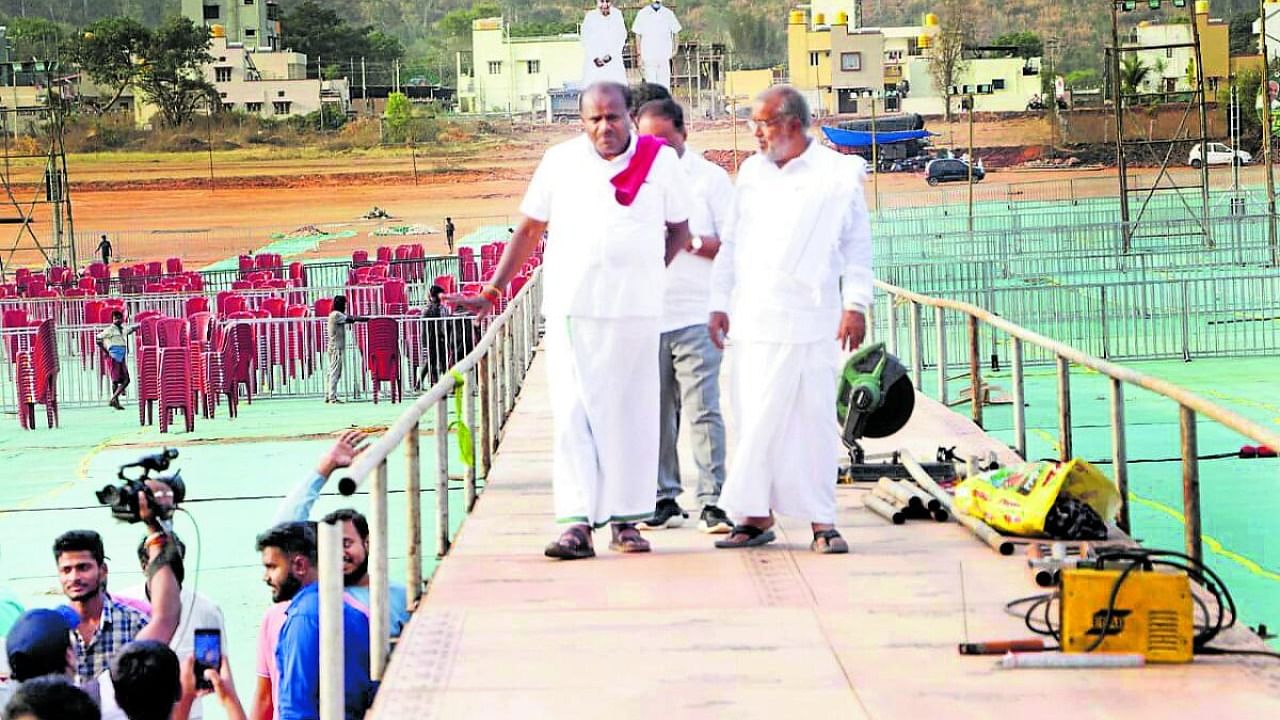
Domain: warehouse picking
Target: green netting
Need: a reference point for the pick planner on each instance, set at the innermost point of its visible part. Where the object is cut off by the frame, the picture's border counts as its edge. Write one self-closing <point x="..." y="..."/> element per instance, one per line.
<point x="486" y="234"/>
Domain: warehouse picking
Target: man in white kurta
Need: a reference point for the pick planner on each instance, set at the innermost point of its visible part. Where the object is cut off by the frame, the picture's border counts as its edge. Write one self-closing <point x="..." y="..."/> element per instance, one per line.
<point x="602" y="278"/>
<point x="656" y="28"/>
<point x="604" y="33"/>
<point x="794" y="275"/>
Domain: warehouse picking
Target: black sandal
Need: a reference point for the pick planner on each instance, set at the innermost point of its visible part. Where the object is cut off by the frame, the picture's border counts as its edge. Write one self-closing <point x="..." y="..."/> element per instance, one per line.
<point x="829" y="545"/>
<point x="755" y="537"/>
<point x="573" y="544"/>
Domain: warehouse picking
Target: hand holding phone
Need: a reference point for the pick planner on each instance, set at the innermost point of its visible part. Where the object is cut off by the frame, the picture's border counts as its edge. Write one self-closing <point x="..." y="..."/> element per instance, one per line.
<point x="208" y="655"/>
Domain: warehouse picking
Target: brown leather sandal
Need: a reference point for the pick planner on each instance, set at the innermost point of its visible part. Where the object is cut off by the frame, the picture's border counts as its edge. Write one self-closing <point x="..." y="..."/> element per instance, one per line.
<point x="627" y="539"/>
<point x="573" y="544"/>
<point x="829" y="542"/>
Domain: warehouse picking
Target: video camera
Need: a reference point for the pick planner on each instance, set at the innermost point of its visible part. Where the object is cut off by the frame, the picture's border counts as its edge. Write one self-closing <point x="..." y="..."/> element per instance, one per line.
<point x="123" y="498"/>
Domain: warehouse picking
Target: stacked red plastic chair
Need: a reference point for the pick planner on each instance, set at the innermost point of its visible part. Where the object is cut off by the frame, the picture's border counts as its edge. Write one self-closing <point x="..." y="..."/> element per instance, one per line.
<point x="45" y="353"/>
<point x="202" y="387"/>
<point x="395" y="297"/>
<point x="239" y="360"/>
<point x="383" y="356"/>
<point x="174" y="364"/>
<point x="147" y="380"/>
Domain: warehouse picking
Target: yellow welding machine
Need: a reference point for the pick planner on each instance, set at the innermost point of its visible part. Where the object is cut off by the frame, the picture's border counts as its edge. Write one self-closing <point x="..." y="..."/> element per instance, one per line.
<point x="1152" y="614"/>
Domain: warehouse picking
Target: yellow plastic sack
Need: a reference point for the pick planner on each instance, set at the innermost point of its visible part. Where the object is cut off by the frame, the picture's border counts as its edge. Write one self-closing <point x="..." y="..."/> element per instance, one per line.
<point x="1017" y="498"/>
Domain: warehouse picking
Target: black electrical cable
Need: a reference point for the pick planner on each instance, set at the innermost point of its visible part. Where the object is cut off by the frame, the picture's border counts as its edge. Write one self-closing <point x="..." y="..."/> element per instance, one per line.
<point x="1139" y="461"/>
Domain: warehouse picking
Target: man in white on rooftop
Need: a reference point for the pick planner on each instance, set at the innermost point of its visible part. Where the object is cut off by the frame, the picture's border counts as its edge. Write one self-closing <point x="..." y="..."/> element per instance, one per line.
<point x="798" y="238"/>
<point x="604" y="33"/>
<point x="616" y="212"/>
<point x="656" y="27"/>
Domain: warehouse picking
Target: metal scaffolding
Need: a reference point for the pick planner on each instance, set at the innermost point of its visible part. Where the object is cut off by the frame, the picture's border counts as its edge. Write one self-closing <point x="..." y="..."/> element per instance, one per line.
<point x="1135" y="144"/>
<point x="39" y="207"/>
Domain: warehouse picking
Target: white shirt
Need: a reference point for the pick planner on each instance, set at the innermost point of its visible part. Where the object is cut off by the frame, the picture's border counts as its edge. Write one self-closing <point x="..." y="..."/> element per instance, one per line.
<point x="689" y="276"/>
<point x="657" y="30"/>
<point x="797" y="237"/>
<point x="198" y="613"/>
<point x="603" y="36"/>
<point x="603" y="260"/>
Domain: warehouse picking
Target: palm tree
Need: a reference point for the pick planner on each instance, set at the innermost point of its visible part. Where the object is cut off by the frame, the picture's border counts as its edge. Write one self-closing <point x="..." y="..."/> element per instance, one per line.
<point x="1133" y="73"/>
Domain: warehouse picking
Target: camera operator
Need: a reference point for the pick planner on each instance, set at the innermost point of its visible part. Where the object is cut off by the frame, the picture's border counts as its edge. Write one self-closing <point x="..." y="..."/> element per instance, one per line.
<point x="151" y="684"/>
<point x="107" y="625"/>
<point x="198" y="611"/>
<point x="296" y="507"/>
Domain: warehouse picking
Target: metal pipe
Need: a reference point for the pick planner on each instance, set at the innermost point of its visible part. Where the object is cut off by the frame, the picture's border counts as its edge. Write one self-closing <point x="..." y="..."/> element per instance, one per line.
<point x="1064" y="408"/>
<point x="917" y="347"/>
<point x="1190" y="482"/>
<point x="1119" y="454"/>
<point x="975" y="370"/>
<point x="332" y="651"/>
<point x="899" y="493"/>
<point x="469" y="500"/>
<point x="379" y="581"/>
<point x="1019" y="401"/>
<point x="442" y="479"/>
<point x="983" y="531"/>
<point x="891" y="318"/>
<point x="884" y="510"/>
<point x="940" y="319"/>
<point x="484" y="449"/>
<point x="413" y="504"/>
<point x="1267" y="151"/>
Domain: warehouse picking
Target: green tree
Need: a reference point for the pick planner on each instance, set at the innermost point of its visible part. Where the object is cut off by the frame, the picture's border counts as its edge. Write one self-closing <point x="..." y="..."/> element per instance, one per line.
<point x="1240" y="34"/>
<point x="398" y="116"/>
<point x="172" y="76"/>
<point x="110" y="51"/>
<point x="757" y="41"/>
<point x="314" y="29"/>
<point x="946" y="60"/>
<point x="1028" y="43"/>
<point x="1133" y="73"/>
<point x="36" y="37"/>
<point x="1085" y="78"/>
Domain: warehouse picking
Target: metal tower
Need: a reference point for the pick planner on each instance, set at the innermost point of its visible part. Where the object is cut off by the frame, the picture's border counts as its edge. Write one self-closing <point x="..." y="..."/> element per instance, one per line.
<point x="36" y="198"/>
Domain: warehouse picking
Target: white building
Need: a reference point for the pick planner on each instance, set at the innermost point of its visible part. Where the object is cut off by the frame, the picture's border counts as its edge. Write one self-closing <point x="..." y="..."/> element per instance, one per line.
<point x="271" y="84"/>
<point x="254" y="24"/>
<point x="509" y="74"/>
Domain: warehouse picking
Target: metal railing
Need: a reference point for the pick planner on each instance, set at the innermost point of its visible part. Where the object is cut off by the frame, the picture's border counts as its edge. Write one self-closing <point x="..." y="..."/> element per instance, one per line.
<point x="494" y="372"/>
<point x="1063" y="357"/>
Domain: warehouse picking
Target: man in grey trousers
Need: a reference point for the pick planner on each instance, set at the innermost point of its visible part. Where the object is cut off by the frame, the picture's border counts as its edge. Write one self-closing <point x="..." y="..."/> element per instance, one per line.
<point x="689" y="362"/>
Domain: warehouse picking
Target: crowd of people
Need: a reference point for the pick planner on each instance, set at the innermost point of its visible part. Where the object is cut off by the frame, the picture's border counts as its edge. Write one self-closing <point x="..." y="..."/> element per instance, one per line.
<point x="131" y="653"/>
<point x="785" y="253"/>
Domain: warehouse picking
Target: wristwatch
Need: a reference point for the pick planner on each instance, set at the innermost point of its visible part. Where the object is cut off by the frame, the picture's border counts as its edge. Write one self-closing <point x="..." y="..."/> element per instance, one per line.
<point x="695" y="245"/>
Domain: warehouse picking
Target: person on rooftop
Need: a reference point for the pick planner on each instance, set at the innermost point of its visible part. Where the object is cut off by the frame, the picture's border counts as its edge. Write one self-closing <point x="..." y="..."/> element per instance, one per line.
<point x="616" y="208"/>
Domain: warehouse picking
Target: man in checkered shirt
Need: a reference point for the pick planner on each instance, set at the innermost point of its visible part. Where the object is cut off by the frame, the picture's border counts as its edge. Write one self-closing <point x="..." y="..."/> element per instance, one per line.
<point x="106" y="624"/>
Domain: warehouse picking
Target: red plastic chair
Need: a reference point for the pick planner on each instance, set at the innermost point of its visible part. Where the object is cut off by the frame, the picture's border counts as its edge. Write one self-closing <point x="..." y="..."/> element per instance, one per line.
<point x="195" y="305"/>
<point x="359" y="258"/>
<point x="383" y="356"/>
<point x="174" y="370"/>
<point x="173" y="265"/>
<point x="147" y="375"/>
<point x="447" y="283"/>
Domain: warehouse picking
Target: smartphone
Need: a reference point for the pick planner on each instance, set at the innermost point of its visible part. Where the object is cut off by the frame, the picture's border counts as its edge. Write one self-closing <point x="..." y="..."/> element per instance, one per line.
<point x="208" y="649"/>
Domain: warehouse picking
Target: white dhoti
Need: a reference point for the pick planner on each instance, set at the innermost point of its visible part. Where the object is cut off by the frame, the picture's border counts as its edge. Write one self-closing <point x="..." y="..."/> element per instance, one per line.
<point x="613" y="71"/>
<point x="784" y="399"/>
<point x="658" y="72"/>
<point x="604" y="383"/>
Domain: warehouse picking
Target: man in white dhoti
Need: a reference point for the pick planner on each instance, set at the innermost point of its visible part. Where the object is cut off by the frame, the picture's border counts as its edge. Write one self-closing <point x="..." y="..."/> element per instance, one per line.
<point x="798" y="238"/>
<point x="604" y="33"/>
<point x="688" y="361"/>
<point x="614" y="206"/>
<point x="656" y="27"/>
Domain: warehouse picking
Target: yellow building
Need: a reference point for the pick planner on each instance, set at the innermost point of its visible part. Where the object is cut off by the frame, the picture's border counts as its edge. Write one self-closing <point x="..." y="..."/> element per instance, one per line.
<point x="514" y="74"/>
<point x="809" y="59"/>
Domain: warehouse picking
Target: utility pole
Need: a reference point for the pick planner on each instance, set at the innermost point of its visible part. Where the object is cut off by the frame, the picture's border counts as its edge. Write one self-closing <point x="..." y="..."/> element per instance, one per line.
<point x="1267" y="158"/>
<point x="972" y="160"/>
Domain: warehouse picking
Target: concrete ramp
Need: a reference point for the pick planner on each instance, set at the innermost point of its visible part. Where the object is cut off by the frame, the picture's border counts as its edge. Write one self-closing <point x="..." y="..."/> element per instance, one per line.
<point x="777" y="632"/>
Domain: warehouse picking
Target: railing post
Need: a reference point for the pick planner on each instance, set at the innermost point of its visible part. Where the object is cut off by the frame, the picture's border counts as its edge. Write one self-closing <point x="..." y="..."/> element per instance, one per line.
<point x="1186" y="324"/>
<point x="1190" y="482"/>
<point x="891" y="318"/>
<point x="484" y="447"/>
<point x="442" y="479"/>
<point x="379" y="582"/>
<point x="413" y="502"/>
<point x="975" y="371"/>
<point x="332" y="652"/>
<point x="1119" y="453"/>
<point x="1064" y="408"/>
<point x="940" y="319"/>
<point x="1019" y="400"/>
<point x="472" y="469"/>
<point x="917" y="347"/>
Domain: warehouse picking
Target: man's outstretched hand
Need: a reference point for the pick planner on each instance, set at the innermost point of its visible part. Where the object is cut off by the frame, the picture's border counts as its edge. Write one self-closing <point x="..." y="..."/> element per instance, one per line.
<point x="343" y="452"/>
<point x="476" y="305"/>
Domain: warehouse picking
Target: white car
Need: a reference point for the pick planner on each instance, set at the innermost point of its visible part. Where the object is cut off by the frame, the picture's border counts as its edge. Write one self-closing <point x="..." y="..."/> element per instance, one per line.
<point x="1218" y="154"/>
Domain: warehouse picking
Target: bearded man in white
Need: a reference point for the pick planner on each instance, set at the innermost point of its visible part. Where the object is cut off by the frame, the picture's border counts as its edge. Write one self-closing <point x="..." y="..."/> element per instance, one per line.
<point x="604" y="33"/>
<point x="798" y="238"/>
<point x="656" y="27"/>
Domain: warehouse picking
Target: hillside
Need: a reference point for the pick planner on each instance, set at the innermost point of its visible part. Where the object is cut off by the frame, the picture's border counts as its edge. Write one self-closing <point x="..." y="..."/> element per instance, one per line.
<point x="755" y="28"/>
